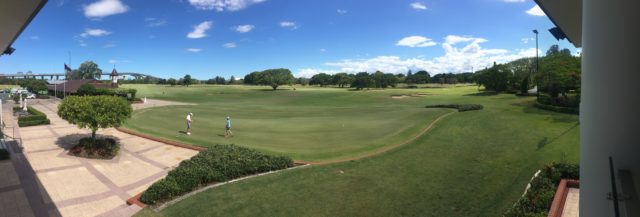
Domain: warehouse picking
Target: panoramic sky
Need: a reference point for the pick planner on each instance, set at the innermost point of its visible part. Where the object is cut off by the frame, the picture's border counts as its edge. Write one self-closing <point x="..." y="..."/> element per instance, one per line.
<point x="206" y="38"/>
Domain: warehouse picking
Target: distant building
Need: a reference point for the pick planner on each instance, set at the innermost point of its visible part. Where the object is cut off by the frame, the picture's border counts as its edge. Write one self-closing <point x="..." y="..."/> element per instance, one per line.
<point x="70" y="87"/>
<point x="114" y="78"/>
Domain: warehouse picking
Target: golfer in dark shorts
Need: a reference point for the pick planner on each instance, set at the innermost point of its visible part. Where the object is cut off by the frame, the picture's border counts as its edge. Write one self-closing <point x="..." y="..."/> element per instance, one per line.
<point x="228" y="132"/>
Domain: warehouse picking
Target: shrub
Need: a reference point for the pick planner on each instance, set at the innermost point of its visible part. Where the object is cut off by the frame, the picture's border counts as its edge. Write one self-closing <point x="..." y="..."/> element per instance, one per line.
<point x="4" y="154"/>
<point x="34" y="118"/>
<point x="33" y="123"/>
<point x="217" y="164"/>
<point x="538" y="199"/>
<point x="568" y="110"/>
<point x="460" y="107"/>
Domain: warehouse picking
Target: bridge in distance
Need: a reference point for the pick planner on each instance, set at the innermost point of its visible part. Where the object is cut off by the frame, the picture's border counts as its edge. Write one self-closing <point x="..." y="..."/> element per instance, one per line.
<point x="57" y="76"/>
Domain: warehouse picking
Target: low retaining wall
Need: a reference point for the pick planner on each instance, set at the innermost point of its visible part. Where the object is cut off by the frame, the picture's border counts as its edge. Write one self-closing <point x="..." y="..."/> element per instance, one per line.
<point x="561" y="196"/>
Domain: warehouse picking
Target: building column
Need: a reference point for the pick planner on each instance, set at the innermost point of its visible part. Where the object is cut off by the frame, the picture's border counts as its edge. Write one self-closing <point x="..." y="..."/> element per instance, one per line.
<point x="610" y="108"/>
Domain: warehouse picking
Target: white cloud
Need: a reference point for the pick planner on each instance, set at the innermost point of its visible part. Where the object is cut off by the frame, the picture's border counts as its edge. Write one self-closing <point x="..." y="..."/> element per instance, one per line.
<point x="288" y="24"/>
<point x="323" y="50"/>
<point x="310" y="72"/>
<point x="455" y="59"/>
<point x="454" y="39"/>
<point x="230" y="45"/>
<point x="109" y="45"/>
<point x="114" y="61"/>
<point x="34" y="37"/>
<point x="536" y="11"/>
<point x="193" y="50"/>
<point x="155" y="22"/>
<point x="94" y="33"/>
<point x="418" y="6"/>
<point x="244" y="28"/>
<point x="416" y="41"/>
<point x="222" y="5"/>
<point x="103" y="8"/>
<point x="513" y="1"/>
<point x="527" y="40"/>
<point x="200" y="30"/>
<point x="342" y="11"/>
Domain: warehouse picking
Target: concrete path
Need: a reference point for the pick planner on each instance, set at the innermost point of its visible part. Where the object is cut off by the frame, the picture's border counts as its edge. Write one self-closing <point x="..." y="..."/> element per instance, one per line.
<point x="72" y="186"/>
<point x="155" y="103"/>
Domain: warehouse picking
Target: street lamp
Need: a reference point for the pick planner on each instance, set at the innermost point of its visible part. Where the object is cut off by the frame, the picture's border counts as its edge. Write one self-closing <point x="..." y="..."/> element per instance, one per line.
<point x="535" y="31"/>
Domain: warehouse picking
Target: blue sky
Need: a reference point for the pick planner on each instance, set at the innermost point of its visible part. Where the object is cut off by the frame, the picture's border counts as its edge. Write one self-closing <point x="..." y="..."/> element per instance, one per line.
<point x="206" y="38"/>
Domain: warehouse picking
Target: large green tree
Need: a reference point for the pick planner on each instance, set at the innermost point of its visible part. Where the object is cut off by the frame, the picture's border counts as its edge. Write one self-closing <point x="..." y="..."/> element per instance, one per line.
<point x="559" y="74"/>
<point x="94" y="112"/>
<point x="362" y="80"/>
<point x="187" y="80"/>
<point x="33" y="85"/>
<point x="496" y="78"/>
<point x="275" y="77"/>
<point x="321" y="79"/>
<point x="342" y="79"/>
<point x="87" y="70"/>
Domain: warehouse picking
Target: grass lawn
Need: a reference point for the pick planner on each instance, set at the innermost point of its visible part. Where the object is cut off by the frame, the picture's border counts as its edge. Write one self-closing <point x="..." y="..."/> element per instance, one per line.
<point x="310" y="124"/>
<point x="473" y="163"/>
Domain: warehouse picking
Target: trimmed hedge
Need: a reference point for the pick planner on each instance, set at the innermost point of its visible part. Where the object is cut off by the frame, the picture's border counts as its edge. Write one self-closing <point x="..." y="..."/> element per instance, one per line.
<point x="460" y="107"/>
<point x="35" y="118"/>
<point x="128" y="93"/>
<point x="567" y="110"/>
<point x="537" y="200"/>
<point x="219" y="163"/>
<point x="33" y="123"/>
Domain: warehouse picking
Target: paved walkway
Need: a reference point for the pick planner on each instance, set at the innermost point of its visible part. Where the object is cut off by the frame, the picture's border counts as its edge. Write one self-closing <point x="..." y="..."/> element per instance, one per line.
<point x="572" y="203"/>
<point x="72" y="186"/>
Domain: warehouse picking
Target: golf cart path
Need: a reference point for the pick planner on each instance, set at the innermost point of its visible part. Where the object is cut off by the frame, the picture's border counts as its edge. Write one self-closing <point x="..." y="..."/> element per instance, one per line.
<point x="383" y="149"/>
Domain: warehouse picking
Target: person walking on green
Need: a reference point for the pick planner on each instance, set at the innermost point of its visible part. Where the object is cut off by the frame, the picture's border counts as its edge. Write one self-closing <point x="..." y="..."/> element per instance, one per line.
<point x="189" y="114"/>
<point x="228" y="132"/>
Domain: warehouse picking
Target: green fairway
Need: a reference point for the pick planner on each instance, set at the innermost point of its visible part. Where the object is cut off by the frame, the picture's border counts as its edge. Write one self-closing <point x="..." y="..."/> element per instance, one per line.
<point x="310" y="124"/>
<point x="473" y="163"/>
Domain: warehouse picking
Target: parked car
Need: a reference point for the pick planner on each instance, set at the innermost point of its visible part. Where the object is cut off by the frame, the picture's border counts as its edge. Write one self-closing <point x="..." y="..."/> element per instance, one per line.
<point x="31" y="96"/>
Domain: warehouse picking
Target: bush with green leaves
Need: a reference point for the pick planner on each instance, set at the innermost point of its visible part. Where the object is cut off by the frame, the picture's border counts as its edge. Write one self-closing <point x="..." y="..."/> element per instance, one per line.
<point x="95" y="112"/>
<point x="219" y="163"/>
<point x="460" y="107"/>
<point x="538" y="199"/>
<point x="34" y="118"/>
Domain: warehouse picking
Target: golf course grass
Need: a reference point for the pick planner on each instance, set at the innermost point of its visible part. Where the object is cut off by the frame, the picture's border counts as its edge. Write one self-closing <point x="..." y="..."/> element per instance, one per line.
<point x="474" y="163"/>
<point x="308" y="124"/>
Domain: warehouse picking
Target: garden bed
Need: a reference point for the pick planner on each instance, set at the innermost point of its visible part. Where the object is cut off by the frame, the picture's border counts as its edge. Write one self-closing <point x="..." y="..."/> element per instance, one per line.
<point x="34" y="118"/>
<point x="102" y="148"/>
<point x="540" y="192"/>
<point x="219" y="163"/>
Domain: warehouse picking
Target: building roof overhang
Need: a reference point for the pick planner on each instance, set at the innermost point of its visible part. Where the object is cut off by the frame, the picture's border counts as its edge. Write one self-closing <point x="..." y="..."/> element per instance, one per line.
<point x="566" y="15"/>
<point x="15" y="16"/>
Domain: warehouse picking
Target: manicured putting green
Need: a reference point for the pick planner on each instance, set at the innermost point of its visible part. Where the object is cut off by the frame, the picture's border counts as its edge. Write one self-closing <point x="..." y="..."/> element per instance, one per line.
<point x="310" y="124"/>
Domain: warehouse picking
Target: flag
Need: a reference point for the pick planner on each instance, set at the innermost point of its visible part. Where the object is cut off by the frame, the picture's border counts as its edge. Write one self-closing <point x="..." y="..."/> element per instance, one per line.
<point x="67" y="71"/>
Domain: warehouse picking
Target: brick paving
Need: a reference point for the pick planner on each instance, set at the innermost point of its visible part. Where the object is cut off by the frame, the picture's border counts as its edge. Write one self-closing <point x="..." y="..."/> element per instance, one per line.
<point x="64" y="185"/>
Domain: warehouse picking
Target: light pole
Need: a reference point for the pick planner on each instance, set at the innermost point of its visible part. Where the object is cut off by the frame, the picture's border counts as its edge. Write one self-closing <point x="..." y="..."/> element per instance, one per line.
<point x="535" y="31"/>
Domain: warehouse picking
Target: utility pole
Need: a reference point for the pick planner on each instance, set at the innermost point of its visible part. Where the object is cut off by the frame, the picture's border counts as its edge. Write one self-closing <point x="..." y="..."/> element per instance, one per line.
<point x="535" y="31"/>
